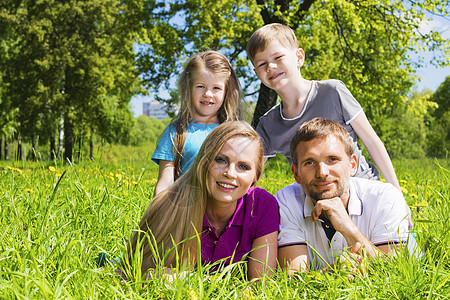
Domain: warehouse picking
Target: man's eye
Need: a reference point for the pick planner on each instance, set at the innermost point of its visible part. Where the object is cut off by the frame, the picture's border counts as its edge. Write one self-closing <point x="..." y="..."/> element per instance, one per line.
<point x="334" y="159"/>
<point x="308" y="163"/>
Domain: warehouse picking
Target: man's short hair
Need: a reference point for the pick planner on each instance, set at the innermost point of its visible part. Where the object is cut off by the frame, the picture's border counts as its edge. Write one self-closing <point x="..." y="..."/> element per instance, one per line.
<point x="264" y="35"/>
<point x="320" y="128"/>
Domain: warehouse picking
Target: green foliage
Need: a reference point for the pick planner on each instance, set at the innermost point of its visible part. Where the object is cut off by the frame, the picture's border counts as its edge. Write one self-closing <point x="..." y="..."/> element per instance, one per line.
<point x="72" y="60"/>
<point x="439" y="122"/>
<point x="55" y="219"/>
<point x="363" y="43"/>
<point x="148" y="130"/>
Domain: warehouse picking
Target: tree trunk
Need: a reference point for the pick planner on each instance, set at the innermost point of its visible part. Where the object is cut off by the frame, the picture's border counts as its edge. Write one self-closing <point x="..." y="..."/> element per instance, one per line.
<point x="267" y="98"/>
<point x="80" y="143"/>
<point x="52" y="147"/>
<point x="33" y="146"/>
<point x="91" y="145"/>
<point x="1" y="143"/>
<point x="61" y="137"/>
<point x="6" y="149"/>
<point x="19" y="148"/>
<point x="68" y="140"/>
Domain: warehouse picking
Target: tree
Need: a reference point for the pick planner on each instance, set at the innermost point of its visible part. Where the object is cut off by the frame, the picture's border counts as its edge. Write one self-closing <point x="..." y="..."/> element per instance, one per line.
<point x="75" y="61"/>
<point x="363" y="43"/>
<point x="439" y="123"/>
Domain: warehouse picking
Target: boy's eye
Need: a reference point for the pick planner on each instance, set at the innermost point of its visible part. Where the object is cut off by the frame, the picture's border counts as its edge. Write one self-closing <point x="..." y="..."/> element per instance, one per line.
<point x="261" y="64"/>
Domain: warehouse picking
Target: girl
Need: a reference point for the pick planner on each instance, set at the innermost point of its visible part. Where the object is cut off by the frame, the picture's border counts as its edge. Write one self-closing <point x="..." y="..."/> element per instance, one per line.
<point x="210" y="95"/>
<point x="218" y="199"/>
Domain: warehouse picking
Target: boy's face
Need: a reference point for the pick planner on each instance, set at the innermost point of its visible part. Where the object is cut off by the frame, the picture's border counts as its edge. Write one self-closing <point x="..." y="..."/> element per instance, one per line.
<point x="277" y="64"/>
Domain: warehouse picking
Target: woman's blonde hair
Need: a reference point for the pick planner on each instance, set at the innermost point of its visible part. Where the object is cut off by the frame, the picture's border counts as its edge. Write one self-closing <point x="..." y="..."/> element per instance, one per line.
<point x="176" y="214"/>
<point x="217" y="64"/>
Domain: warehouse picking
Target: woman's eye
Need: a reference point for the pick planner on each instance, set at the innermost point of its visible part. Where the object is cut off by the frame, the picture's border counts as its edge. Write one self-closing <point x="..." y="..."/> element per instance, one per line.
<point x="244" y="167"/>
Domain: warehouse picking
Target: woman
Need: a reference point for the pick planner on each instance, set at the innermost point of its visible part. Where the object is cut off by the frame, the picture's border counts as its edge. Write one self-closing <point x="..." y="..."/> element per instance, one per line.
<point x="217" y="199"/>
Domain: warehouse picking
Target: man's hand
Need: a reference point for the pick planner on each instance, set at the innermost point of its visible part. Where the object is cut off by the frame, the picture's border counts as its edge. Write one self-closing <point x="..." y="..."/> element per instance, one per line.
<point x="334" y="210"/>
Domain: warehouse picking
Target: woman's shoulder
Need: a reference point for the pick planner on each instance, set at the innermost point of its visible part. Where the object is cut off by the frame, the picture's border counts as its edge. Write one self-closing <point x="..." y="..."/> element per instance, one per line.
<point x="261" y="195"/>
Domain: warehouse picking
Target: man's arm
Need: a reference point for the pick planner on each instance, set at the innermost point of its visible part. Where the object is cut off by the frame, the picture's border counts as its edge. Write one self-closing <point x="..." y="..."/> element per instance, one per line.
<point x="294" y="258"/>
<point x="335" y="211"/>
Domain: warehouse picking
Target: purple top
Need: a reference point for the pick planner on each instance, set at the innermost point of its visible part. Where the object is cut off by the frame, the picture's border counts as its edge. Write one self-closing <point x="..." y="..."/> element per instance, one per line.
<point x="256" y="215"/>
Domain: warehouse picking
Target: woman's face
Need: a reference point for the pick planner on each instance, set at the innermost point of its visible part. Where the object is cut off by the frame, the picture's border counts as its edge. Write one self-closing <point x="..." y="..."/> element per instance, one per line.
<point x="233" y="170"/>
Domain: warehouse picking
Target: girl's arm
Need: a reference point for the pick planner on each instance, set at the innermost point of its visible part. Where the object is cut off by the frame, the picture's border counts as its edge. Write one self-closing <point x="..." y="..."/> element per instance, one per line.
<point x="165" y="177"/>
<point x="264" y="258"/>
<point x="375" y="147"/>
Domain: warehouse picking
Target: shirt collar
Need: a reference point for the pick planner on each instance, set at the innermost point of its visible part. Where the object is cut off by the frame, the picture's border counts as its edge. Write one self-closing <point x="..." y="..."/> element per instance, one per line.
<point x="236" y="220"/>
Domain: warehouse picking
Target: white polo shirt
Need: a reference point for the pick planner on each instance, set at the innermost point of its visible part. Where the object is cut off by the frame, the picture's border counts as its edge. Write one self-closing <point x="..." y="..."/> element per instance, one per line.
<point x="377" y="209"/>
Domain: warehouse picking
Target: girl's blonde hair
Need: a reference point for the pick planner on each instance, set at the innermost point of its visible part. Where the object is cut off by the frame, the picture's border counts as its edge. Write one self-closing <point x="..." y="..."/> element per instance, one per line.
<point x="176" y="214"/>
<point x="217" y="64"/>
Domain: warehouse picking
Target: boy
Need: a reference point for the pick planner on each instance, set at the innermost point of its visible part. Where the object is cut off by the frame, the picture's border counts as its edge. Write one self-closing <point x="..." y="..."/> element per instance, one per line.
<point x="277" y="59"/>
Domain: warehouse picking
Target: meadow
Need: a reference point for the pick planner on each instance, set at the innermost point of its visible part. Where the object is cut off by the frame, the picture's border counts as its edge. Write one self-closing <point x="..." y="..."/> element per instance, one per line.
<point x="56" y="219"/>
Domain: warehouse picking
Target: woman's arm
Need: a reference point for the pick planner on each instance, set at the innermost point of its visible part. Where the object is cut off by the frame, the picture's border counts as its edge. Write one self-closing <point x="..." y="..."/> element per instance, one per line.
<point x="264" y="258"/>
<point x="165" y="177"/>
<point x="375" y="147"/>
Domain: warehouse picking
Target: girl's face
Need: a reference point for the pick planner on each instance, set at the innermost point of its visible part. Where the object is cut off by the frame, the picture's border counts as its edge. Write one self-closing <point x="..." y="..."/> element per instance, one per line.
<point x="207" y="96"/>
<point x="233" y="171"/>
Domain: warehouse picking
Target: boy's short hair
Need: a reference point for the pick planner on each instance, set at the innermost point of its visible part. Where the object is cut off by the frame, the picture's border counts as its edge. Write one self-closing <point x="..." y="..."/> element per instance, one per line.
<point x="264" y="35"/>
<point x="320" y="128"/>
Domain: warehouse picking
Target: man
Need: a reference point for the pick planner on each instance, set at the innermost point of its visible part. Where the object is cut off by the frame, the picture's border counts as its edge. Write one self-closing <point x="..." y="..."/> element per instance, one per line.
<point x="327" y="211"/>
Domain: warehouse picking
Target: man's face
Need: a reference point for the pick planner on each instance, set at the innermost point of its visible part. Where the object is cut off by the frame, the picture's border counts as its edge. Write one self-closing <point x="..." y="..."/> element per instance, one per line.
<point x="323" y="167"/>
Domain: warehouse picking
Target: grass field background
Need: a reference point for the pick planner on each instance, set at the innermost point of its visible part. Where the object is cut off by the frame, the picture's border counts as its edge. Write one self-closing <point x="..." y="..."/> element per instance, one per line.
<point x="56" y="219"/>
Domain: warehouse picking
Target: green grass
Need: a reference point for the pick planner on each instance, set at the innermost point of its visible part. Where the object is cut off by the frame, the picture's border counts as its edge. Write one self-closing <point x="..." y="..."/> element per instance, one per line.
<point x="56" y="218"/>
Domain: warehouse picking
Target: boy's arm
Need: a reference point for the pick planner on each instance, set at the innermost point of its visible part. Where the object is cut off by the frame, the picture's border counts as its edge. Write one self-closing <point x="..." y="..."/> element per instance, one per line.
<point x="375" y="147"/>
<point x="165" y="177"/>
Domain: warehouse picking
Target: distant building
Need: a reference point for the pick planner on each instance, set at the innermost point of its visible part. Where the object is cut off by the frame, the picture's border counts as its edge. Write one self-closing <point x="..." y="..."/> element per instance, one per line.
<point x="155" y="109"/>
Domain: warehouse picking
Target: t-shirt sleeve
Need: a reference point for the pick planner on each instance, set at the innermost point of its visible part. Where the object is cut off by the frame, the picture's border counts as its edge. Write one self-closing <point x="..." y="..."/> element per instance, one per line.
<point x="350" y="106"/>
<point x="268" y="217"/>
<point x="265" y="139"/>
<point x="391" y="221"/>
<point x="164" y="148"/>
<point x="292" y="231"/>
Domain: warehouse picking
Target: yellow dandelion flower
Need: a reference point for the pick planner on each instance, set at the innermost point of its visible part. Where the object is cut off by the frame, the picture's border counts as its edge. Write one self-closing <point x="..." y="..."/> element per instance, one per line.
<point x="119" y="175"/>
<point x="193" y="295"/>
<point x="58" y="175"/>
<point x="404" y="190"/>
<point x="423" y="203"/>
<point x="403" y="181"/>
<point x="52" y="168"/>
<point x="413" y="195"/>
<point x="29" y="191"/>
<point x="125" y="182"/>
<point x="135" y="182"/>
<point x="147" y="181"/>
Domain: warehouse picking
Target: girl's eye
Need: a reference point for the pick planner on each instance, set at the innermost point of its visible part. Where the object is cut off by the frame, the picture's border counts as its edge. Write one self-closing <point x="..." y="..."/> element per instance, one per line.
<point x="217" y="88"/>
<point x="220" y="160"/>
<point x="200" y="86"/>
<point x="278" y="57"/>
<point x="244" y="167"/>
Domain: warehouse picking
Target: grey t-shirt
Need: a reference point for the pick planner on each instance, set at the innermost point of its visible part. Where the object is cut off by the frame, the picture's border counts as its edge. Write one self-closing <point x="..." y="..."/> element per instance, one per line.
<point x="327" y="99"/>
